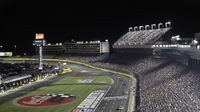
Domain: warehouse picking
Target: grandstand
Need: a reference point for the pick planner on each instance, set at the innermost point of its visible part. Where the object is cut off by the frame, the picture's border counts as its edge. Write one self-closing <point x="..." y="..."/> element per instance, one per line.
<point x="162" y="84"/>
<point x="18" y="74"/>
<point x="49" y="49"/>
<point x="141" y="37"/>
<point x="87" y="47"/>
<point x="76" y="48"/>
<point x="168" y="83"/>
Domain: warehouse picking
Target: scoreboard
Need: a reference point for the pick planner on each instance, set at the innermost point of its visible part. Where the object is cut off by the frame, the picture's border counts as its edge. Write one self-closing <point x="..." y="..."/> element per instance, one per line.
<point x="39" y="42"/>
<point x="39" y="36"/>
<point x="39" y="39"/>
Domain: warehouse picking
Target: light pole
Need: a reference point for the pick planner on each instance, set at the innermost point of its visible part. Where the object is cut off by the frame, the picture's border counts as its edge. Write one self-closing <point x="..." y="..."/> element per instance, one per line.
<point x="1" y="47"/>
<point x="0" y="79"/>
<point x="15" y="49"/>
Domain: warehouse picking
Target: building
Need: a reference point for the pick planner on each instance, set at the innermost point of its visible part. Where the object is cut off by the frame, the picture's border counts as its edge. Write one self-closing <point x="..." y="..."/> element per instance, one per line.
<point x="76" y="48"/>
<point x="87" y="47"/>
<point x="52" y="49"/>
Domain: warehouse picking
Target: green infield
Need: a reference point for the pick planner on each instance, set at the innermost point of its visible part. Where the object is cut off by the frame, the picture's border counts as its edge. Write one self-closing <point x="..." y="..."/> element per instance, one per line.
<point x="86" y="79"/>
<point x="66" y="86"/>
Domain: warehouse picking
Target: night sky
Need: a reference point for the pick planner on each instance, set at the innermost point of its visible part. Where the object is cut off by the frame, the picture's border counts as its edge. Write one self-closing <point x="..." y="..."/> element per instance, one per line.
<point x="89" y="20"/>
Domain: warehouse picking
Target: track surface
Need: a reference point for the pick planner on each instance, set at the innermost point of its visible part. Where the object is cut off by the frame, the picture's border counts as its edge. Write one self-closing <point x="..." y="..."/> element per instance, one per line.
<point x="117" y="95"/>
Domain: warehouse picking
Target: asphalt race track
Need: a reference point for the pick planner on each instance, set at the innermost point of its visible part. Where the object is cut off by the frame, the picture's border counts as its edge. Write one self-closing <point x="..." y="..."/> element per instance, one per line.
<point x="116" y="96"/>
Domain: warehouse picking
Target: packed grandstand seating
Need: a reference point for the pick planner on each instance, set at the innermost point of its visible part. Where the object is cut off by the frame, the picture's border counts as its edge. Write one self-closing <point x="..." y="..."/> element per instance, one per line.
<point x="17" y="74"/>
<point x="166" y="86"/>
<point x="142" y="37"/>
<point x="163" y="85"/>
<point x="8" y="69"/>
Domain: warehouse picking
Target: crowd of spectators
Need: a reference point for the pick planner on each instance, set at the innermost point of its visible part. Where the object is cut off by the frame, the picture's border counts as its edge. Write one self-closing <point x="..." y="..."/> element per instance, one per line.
<point x="142" y="37"/>
<point x="13" y="75"/>
<point x="163" y="85"/>
<point x="166" y="86"/>
<point x="9" y="69"/>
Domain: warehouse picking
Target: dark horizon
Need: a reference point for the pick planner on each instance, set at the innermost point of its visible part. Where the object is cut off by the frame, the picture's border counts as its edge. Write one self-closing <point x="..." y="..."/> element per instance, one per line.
<point x="61" y="21"/>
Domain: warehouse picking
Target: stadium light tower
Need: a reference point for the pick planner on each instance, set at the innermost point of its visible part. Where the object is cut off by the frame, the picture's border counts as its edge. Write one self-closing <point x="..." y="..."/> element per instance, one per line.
<point x="147" y="27"/>
<point x="153" y="26"/>
<point x="135" y="28"/>
<point x="160" y="25"/>
<point x="130" y="29"/>
<point x="168" y="24"/>
<point x="141" y="28"/>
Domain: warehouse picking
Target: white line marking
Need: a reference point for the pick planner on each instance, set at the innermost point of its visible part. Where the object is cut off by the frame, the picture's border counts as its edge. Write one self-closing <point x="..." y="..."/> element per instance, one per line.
<point x="101" y="99"/>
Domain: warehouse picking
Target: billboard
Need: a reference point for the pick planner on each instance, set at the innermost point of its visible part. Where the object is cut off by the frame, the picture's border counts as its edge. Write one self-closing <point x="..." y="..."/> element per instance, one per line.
<point x="6" y="54"/>
<point x="39" y="39"/>
<point x="39" y="42"/>
<point x="39" y="36"/>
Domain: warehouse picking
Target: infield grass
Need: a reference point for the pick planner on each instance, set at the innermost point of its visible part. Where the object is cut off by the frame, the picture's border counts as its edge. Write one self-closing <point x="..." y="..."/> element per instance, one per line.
<point x="59" y="87"/>
<point x="78" y="79"/>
